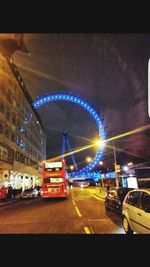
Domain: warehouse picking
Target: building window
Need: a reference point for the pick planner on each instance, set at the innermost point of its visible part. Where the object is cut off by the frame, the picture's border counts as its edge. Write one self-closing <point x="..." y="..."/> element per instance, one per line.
<point x="9" y="97"/>
<point x="13" y="137"/>
<point x="17" y="155"/>
<point x="7" y="132"/>
<point x="1" y="128"/>
<point x="14" y="103"/>
<point x="8" y="115"/>
<point x="3" y="90"/>
<point x="2" y="109"/>
<point x="14" y="119"/>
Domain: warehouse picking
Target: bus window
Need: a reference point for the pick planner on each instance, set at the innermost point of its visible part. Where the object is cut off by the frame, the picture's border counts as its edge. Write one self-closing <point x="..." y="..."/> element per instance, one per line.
<point x="54" y="179"/>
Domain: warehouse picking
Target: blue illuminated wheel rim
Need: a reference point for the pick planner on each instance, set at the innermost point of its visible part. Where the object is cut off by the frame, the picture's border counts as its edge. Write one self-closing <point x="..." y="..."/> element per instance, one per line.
<point x="82" y="103"/>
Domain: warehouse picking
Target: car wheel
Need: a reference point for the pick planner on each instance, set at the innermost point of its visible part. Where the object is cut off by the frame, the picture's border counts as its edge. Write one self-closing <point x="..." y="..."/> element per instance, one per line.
<point x="106" y="206"/>
<point x="126" y="226"/>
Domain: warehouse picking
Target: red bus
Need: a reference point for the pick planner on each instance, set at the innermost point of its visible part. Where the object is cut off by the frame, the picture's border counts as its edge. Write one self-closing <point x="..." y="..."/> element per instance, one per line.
<point x="54" y="179"/>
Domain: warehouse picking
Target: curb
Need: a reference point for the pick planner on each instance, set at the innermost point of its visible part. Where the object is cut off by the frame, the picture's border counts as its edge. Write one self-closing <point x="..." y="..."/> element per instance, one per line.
<point x="99" y="196"/>
<point x="8" y="203"/>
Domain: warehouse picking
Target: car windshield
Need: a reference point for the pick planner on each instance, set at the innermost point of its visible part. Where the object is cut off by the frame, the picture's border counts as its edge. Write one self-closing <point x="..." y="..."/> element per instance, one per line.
<point x="122" y="193"/>
<point x="28" y="190"/>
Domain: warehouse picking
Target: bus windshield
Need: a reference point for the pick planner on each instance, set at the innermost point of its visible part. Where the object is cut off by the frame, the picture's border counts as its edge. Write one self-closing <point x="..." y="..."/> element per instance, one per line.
<point x="53" y="166"/>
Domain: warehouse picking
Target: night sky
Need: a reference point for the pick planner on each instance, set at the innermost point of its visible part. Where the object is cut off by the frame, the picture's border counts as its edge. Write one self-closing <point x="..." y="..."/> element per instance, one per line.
<point x="107" y="70"/>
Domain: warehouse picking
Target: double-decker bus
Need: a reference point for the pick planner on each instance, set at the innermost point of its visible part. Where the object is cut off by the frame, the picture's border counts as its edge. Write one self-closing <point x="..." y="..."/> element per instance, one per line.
<point x="54" y="179"/>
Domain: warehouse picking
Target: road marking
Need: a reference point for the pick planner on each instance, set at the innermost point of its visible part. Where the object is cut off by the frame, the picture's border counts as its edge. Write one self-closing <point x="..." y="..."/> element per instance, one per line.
<point x="77" y="210"/>
<point x="73" y="202"/>
<point x="98" y="197"/>
<point x="91" y="230"/>
<point x="88" y="230"/>
<point x="79" y="214"/>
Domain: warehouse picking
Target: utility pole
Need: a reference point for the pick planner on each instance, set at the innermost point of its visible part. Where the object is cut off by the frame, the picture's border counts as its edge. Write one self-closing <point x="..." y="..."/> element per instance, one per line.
<point x="115" y="164"/>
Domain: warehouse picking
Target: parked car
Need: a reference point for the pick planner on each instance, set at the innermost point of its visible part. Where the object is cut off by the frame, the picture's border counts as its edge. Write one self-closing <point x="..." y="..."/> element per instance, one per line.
<point x="80" y="183"/>
<point x="39" y="188"/>
<point x="114" y="198"/>
<point x="90" y="182"/>
<point x="136" y="212"/>
<point x="85" y="184"/>
<point x="29" y="193"/>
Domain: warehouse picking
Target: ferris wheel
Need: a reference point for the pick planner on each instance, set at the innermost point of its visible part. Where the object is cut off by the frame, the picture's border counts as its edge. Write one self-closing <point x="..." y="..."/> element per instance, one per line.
<point x="85" y="105"/>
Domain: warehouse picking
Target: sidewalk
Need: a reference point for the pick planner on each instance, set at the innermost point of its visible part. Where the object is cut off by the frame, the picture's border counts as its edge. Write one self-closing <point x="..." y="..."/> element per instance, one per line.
<point x="9" y="202"/>
<point x="100" y="192"/>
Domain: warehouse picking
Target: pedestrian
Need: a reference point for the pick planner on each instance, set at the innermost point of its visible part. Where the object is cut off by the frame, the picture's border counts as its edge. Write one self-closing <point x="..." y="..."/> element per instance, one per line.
<point x="14" y="193"/>
<point x="9" y="194"/>
<point x="108" y="187"/>
<point x="3" y="193"/>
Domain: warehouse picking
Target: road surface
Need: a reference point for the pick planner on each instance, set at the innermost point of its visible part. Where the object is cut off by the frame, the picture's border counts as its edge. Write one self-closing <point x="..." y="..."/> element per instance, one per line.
<point x="83" y="212"/>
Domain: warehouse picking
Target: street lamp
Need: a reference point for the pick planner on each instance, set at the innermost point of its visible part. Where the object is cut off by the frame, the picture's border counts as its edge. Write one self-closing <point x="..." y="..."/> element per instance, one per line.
<point x="125" y="168"/>
<point x="101" y="163"/>
<point x="99" y="143"/>
<point x="130" y="164"/>
<point x="88" y="159"/>
<point x="71" y="167"/>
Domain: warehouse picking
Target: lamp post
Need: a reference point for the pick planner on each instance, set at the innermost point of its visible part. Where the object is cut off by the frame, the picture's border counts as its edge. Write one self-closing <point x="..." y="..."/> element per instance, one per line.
<point x="115" y="163"/>
<point x="101" y="163"/>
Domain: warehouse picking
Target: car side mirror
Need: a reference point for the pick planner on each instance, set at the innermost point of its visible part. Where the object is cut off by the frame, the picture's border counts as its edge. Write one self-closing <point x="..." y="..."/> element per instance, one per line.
<point x="147" y="209"/>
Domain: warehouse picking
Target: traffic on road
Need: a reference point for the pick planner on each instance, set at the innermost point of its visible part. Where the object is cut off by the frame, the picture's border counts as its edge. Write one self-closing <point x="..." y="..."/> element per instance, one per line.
<point x="82" y="212"/>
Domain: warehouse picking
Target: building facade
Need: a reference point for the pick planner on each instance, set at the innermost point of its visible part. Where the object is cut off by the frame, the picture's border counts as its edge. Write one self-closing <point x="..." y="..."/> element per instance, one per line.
<point x="22" y="137"/>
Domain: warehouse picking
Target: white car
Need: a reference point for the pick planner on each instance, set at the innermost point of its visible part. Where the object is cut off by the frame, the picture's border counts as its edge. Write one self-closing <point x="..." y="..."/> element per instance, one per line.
<point x="29" y="193"/>
<point x="136" y="212"/>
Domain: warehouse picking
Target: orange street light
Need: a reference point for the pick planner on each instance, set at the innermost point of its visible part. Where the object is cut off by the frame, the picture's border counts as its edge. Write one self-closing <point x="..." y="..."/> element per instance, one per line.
<point x="130" y="164"/>
<point x="71" y="167"/>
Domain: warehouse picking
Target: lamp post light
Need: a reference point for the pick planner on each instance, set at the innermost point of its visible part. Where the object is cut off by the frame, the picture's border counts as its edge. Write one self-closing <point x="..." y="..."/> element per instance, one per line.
<point x="130" y="164"/>
<point x="101" y="163"/>
<point x="88" y="159"/>
<point x="125" y="168"/>
<point x="99" y="143"/>
<point x="115" y="163"/>
<point x="71" y="167"/>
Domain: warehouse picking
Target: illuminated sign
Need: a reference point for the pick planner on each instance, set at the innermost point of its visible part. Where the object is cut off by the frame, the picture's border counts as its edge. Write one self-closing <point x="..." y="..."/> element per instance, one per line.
<point x="49" y="165"/>
<point x="132" y="182"/>
<point x="117" y="168"/>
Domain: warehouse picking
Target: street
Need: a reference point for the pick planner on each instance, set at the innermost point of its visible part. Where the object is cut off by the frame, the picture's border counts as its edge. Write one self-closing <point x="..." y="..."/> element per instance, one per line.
<point x="83" y="212"/>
